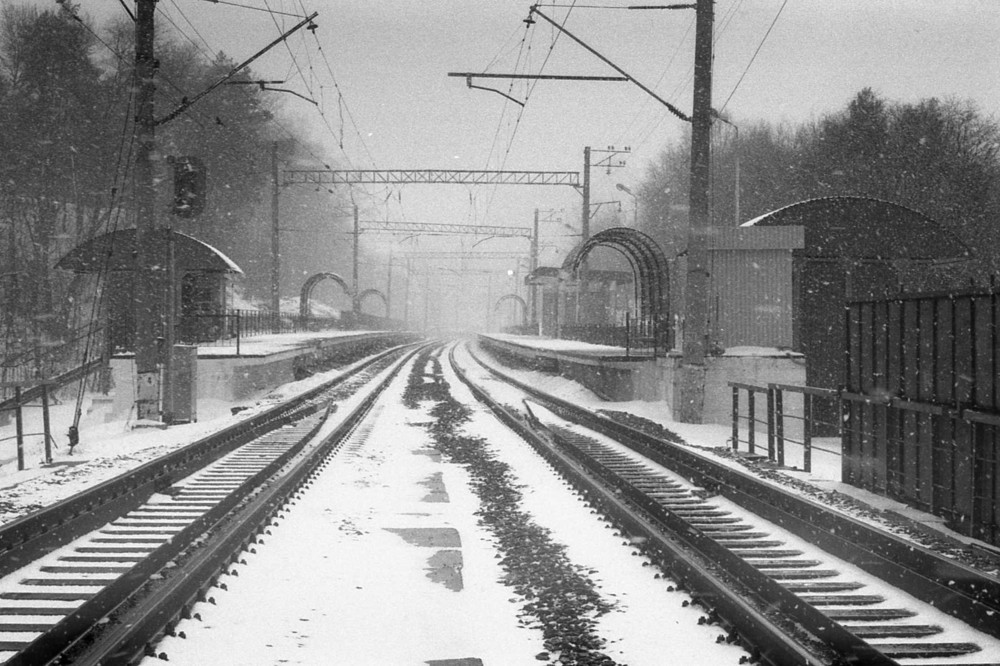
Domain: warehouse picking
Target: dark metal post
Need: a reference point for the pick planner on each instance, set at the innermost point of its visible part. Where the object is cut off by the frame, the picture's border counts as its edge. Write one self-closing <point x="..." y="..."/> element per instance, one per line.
<point x="46" y="429"/>
<point x="19" y="427"/>
<point x="771" y="417"/>
<point x="239" y="331"/>
<point x="752" y="421"/>
<point x="388" y="290"/>
<point x="736" y="418"/>
<point x="582" y="288"/>
<point x="150" y="269"/>
<point x="585" y="216"/>
<point x="628" y="332"/>
<point x="275" y="235"/>
<point x="779" y="427"/>
<point x="533" y="266"/>
<point x="807" y="424"/>
<point x="696" y="292"/>
<point x="354" y="282"/>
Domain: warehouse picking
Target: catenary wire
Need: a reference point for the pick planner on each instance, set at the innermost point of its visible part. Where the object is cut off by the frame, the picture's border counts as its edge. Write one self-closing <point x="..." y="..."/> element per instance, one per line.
<point x="754" y="57"/>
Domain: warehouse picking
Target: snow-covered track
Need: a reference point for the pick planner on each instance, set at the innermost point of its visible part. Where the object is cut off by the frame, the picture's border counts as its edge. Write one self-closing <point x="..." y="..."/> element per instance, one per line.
<point x="148" y="554"/>
<point x="765" y="590"/>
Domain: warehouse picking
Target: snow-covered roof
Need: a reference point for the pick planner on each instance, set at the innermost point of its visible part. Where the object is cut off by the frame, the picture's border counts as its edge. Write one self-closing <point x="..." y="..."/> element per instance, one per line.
<point x="866" y="228"/>
<point x="115" y="251"/>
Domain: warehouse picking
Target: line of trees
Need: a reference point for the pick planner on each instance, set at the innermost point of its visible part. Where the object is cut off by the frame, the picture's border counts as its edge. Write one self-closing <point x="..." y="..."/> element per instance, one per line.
<point x="66" y="154"/>
<point x="939" y="157"/>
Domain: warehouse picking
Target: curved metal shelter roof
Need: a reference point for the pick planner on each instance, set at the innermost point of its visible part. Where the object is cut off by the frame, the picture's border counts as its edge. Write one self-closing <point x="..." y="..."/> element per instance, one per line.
<point x="116" y="251"/>
<point x="648" y="263"/>
<point x="866" y="228"/>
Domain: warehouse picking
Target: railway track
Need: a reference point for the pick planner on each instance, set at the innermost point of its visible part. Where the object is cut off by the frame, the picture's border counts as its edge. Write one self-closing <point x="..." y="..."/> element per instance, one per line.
<point x="97" y="578"/>
<point x="106" y="594"/>
<point x="791" y="580"/>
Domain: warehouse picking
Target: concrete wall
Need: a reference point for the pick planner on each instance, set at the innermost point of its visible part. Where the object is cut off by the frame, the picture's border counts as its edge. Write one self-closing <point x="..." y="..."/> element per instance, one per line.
<point x="779" y="368"/>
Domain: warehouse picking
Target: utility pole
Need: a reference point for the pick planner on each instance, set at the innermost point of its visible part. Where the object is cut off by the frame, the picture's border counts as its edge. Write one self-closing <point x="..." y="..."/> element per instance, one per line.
<point x="388" y="288"/>
<point x="532" y="267"/>
<point x="585" y="221"/>
<point x="354" y="274"/>
<point x="275" y="234"/>
<point x="406" y="293"/>
<point x="690" y="405"/>
<point x="151" y="259"/>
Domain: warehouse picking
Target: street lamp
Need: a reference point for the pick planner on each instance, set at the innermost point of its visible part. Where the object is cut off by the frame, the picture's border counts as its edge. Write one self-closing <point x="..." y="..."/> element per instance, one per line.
<point x="635" y="200"/>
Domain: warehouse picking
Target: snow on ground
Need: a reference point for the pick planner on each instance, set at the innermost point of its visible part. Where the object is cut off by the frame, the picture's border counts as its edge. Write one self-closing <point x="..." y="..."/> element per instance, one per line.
<point x="108" y="449"/>
<point x="367" y="590"/>
<point x="649" y="625"/>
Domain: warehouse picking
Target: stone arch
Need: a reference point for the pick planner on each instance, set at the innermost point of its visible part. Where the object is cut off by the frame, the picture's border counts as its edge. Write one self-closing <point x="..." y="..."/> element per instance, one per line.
<point x="373" y="292"/>
<point x="517" y="299"/>
<point x="307" y="288"/>
<point x="649" y="267"/>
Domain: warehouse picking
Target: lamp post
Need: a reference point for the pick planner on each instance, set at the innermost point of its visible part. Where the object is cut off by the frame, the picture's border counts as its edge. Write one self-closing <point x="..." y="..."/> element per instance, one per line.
<point x="635" y="202"/>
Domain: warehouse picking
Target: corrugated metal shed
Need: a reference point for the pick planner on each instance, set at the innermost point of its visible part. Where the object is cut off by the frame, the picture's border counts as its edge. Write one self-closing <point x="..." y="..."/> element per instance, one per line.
<point x="854" y="247"/>
<point x="751" y="278"/>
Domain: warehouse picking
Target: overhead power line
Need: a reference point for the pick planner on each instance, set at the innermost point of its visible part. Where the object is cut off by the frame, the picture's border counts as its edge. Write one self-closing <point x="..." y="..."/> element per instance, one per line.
<point x="754" y="57"/>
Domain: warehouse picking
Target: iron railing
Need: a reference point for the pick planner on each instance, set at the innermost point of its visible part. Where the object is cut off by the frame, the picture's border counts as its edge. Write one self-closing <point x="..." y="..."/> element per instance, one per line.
<point x="934" y="457"/>
<point x="789" y="417"/>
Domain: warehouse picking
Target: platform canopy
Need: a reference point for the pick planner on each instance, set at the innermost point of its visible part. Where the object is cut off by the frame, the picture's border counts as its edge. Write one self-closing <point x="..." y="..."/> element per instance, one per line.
<point x="116" y="251"/>
<point x="866" y="229"/>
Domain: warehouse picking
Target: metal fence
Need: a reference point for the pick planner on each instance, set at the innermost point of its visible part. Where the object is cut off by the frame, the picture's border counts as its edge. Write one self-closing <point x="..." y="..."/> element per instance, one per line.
<point x="922" y="405"/>
<point x="233" y="326"/>
<point x="919" y="419"/>
<point x="645" y="335"/>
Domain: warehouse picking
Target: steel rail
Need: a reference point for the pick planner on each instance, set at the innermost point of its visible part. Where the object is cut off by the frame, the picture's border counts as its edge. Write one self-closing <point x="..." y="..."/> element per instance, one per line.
<point x="32" y="536"/>
<point x="78" y="624"/>
<point x="965" y="593"/>
<point x="685" y="563"/>
<point x="231" y="532"/>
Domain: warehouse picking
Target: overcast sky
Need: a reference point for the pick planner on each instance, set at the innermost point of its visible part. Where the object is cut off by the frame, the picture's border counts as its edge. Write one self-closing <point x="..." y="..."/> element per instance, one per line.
<point x="377" y="70"/>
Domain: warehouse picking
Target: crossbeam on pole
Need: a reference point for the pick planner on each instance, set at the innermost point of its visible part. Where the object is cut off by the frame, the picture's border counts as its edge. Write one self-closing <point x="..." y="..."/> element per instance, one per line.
<point x="427" y="176"/>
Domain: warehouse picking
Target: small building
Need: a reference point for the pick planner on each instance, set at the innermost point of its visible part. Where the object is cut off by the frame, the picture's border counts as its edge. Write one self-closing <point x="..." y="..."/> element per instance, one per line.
<point x="852" y="248"/>
<point x="751" y="297"/>
<point x="202" y="275"/>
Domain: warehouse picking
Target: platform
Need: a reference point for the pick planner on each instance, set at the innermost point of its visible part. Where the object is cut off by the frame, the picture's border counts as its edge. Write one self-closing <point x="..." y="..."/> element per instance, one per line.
<point x="620" y="375"/>
<point x="259" y="364"/>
